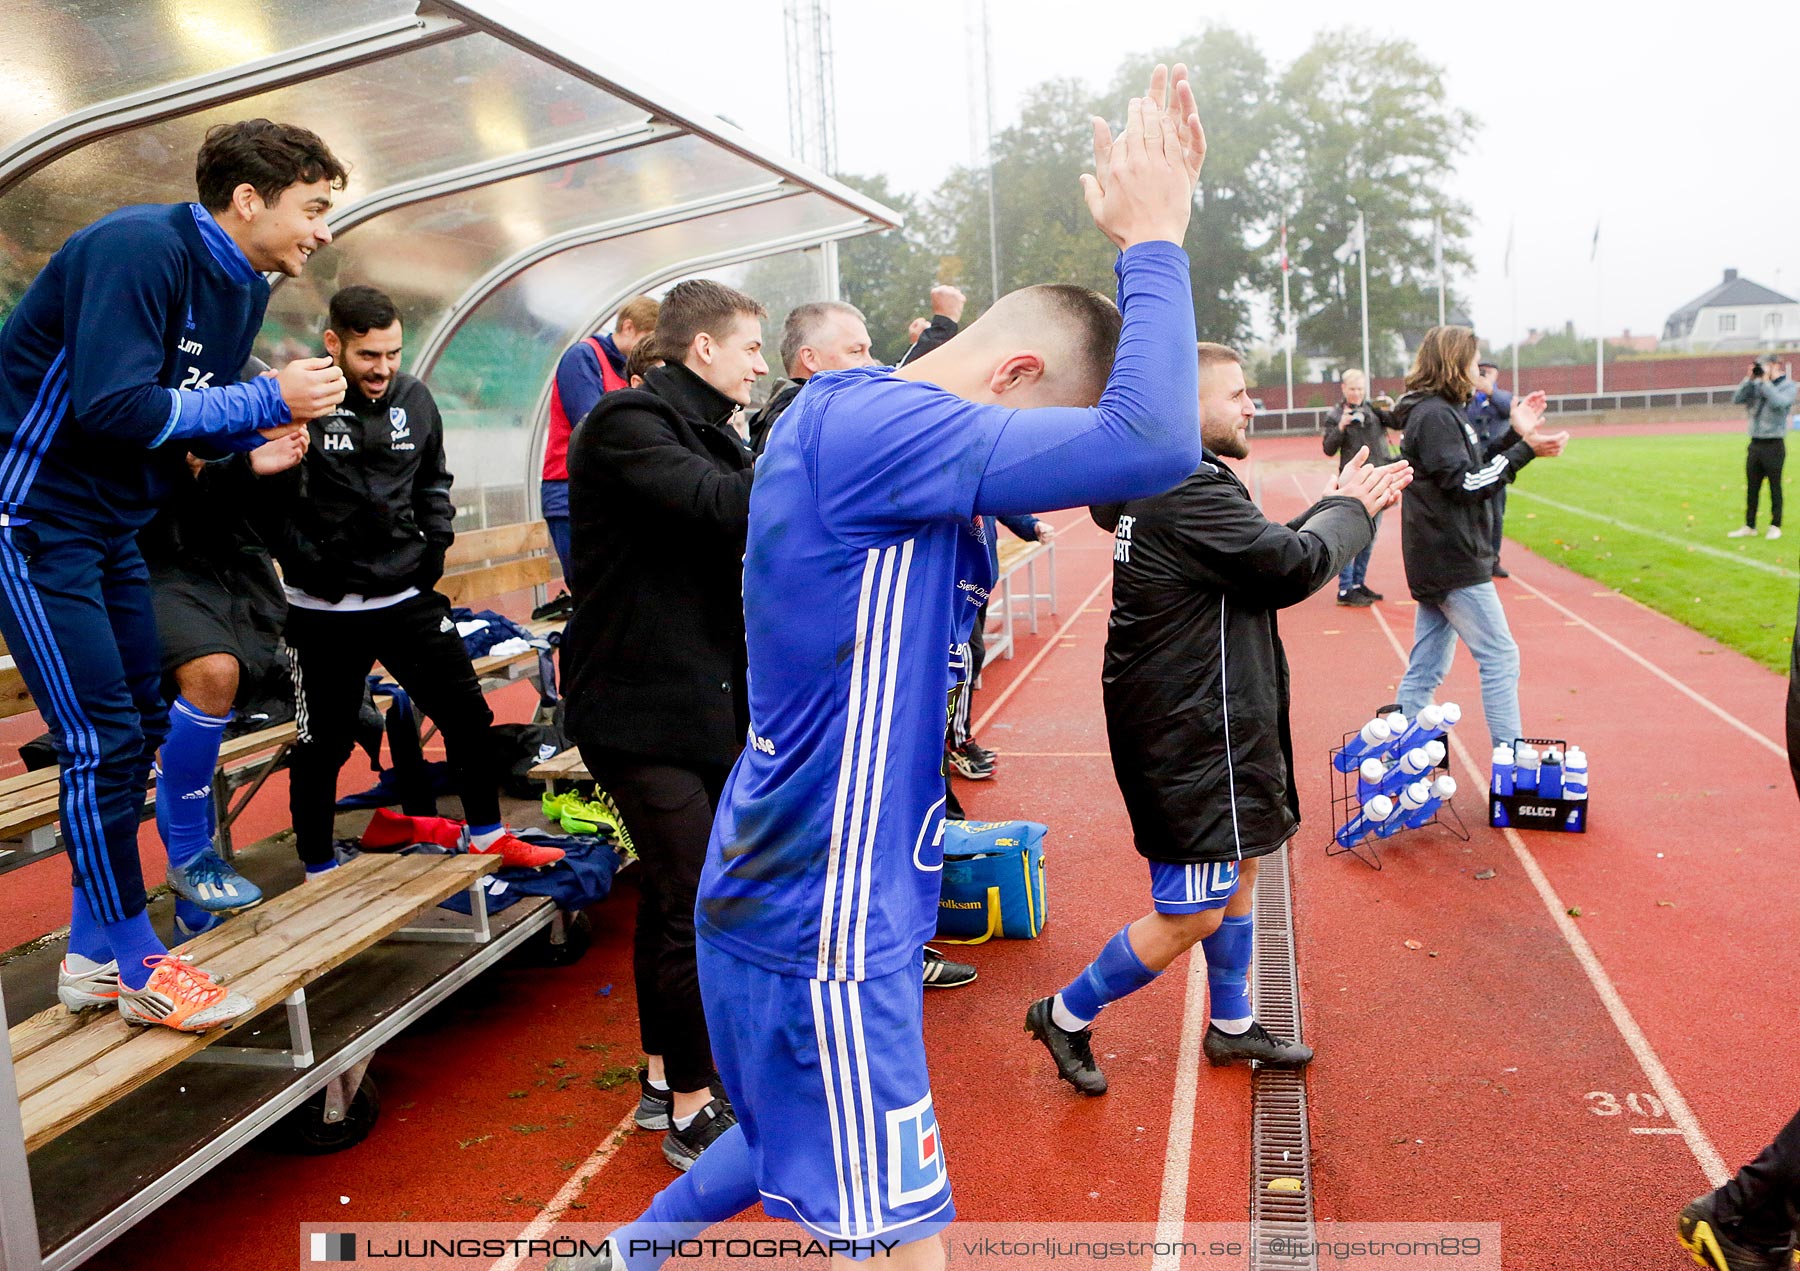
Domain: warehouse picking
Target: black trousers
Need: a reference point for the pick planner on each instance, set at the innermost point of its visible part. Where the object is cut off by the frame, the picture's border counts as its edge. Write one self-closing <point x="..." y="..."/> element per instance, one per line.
<point x="1499" y="506"/>
<point x="333" y="653"/>
<point x="1765" y="460"/>
<point x="669" y="810"/>
<point x="1760" y="1205"/>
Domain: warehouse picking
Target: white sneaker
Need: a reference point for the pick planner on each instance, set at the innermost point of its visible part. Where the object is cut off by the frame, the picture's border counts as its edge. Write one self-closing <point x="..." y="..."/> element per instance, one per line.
<point x="82" y="991"/>
<point x="1774" y="531"/>
<point x="182" y="996"/>
<point x="1743" y="531"/>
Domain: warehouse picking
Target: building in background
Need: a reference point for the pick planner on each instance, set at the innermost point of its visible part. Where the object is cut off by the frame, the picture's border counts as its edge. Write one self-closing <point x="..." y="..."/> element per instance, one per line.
<point x="1736" y="314"/>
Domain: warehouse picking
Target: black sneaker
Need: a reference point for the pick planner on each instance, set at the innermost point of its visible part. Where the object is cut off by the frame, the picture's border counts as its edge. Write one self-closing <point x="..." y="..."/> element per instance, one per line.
<point x="1363" y="589"/>
<point x="1500" y="571"/>
<point x="1701" y="1236"/>
<point x="561" y="607"/>
<point x="968" y="766"/>
<point x="942" y="973"/>
<point x="1257" y="1045"/>
<point x="681" y="1148"/>
<point x="602" y="1261"/>
<point x="655" y="1107"/>
<point x="979" y="753"/>
<point x="1354" y="600"/>
<point x="1073" y="1052"/>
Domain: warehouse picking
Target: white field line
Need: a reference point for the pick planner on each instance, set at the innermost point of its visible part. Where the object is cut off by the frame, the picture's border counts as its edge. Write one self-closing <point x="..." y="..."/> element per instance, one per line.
<point x="1712" y="1165"/>
<point x="1171" y="1209"/>
<point x="1050" y="645"/>
<point x="559" y="1203"/>
<point x="1719" y="553"/>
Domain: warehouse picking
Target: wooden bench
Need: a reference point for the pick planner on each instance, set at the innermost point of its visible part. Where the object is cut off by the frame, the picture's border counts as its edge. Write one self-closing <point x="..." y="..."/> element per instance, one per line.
<point x="68" y="1067"/>
<point x="496" y="561"/>
<point x="1016" y="555"/>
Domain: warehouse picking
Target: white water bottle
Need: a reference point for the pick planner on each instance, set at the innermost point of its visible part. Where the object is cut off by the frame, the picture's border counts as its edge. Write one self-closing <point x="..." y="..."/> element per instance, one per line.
<point x="1397" y="727"/>
<point x="1504" y="773"/>
<point x="1414" y="764"/>
<point x="1373" y="813"/>
<point x="1414" y="797"/>
<point x="1575" y="774"/>
<point x="1443" y="788"/>
<point x="1369" y="743"/>
<point x="1428" y="723"/>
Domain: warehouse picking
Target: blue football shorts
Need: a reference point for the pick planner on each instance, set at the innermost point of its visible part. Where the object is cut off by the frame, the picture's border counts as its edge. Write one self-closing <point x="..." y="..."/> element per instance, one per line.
<point x="1188" y="889"/>
<point x="828" y="1082"/>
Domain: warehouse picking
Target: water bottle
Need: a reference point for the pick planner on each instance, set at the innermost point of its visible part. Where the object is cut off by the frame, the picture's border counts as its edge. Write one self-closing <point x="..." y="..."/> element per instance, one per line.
<point x="1414" y="764"/>
<point x="1431" y="721"/>
<point x="1436" y="750"/>
<point x="1414" y="797"/>
<point x="1397" y="726"/>
<point x="1369" y="743"/>
<point x="1443" y="788"/>
<point x="1550" y="775"/>
<point x="1575" y="774"/>
<point x="1503" y="770"/>
<point x="1525" y="769"/>
<point x="1373" y="813"/>
<point x="1369" y="778"/>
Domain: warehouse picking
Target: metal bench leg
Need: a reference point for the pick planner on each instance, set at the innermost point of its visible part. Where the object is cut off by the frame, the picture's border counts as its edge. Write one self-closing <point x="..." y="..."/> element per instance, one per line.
<point x="475" y="932"/>
<point x="1006" y="620"/>
<point x="298" y="1053"/>
<point x="341" y="1090"/>
<point x="222" y="818"/>
<point x="18" y="1212"/>
<point x="1031" y="586"/>
<point x="1052" y="549"/>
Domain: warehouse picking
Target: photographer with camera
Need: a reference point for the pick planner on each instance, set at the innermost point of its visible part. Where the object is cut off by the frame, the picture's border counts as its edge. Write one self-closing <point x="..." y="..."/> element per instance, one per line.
<point x="1351" y="425"/>
<point x="1768" y="395"/>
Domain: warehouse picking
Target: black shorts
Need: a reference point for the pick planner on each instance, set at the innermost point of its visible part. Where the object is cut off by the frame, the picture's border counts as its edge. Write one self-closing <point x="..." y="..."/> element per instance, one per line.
<point x="204" y="609"/>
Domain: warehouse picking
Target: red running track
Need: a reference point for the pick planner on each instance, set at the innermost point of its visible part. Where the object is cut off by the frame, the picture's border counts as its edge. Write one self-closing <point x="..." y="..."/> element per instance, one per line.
<point x="1467" y="1086"/>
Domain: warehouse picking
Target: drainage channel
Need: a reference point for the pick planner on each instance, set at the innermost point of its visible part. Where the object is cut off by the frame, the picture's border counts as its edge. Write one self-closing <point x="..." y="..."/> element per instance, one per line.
<point x="1281" y="1214"/>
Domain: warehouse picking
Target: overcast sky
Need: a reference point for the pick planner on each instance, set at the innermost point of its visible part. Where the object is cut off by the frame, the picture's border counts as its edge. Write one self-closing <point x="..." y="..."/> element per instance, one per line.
<point x="1653" y="126"/>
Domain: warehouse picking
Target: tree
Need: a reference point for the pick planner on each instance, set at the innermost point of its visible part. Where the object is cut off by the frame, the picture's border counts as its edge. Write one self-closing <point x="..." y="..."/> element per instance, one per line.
<point x="889" y="275"/>
<point x="1364" y="123"/>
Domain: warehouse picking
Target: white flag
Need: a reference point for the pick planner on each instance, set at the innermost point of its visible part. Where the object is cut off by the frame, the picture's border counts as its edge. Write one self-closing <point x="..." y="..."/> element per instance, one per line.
<point x="1352" y="245"/>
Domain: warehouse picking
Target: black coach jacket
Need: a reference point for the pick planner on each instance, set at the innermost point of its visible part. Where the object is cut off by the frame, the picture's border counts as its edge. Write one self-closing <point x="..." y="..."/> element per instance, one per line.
<point x="1196" y="682"/>
<point x="659" y="505"/>
<point x="371" y="495"/>
<point x="1446" y="519"/>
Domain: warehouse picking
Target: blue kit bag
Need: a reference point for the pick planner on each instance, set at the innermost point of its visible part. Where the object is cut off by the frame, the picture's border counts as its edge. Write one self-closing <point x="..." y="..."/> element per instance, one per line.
<point x="993" y="881"/>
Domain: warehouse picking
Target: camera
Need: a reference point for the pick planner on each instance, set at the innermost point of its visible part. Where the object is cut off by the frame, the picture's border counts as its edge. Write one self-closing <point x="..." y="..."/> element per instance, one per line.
<point x="1756" y="370"/>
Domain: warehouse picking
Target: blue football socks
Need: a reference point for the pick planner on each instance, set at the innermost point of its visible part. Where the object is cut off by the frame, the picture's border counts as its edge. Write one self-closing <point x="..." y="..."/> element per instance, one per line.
<point x="184" y="796"/>
<point x="87" y="939"/>
<point x="1228" y="954"/>
<point x="131" y="942"/>
<point x="721" y="1184"/>
<point x="1118" y="971"/>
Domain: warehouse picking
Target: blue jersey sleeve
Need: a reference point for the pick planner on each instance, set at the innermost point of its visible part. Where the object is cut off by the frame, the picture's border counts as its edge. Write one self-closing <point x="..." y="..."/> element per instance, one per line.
<point x="887" y="453"/>
<point x="578" y="381"/>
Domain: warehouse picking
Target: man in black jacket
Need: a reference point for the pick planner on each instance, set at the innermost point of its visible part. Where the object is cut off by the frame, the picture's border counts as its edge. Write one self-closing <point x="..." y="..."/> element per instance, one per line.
<point x="1356" y="424"/>
<point x="1196" y="692"/>
<point x="654" y="660"/>
<point x="1448" y="527"/>
<point x="362" y="551"/>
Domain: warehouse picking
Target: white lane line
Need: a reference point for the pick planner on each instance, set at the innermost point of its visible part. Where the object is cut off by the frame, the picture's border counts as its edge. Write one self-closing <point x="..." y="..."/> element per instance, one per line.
<point x="1171" y="1210"/>
<point x="1765" y="742"/>
<point x="559" y="1203"/>
<point x="1674" y="541"/>
<point x="1660" y="1129"/>
<point x="1663" y="1085"/>
<point x="1050" y="646"/>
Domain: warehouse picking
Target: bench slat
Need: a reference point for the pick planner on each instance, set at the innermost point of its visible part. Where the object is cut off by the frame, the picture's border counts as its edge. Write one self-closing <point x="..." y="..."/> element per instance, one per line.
<point x="498" y="542"/>
<point x="563" y="765"/>
<point x="487" y="581"/>
<point x="15" y="698"/>
<point x="423" y="881"/>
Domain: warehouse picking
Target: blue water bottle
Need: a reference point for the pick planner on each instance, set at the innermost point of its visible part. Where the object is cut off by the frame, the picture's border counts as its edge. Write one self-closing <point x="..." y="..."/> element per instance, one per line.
<point x="1550" y="775"/>
<point x="1412" y="799"/>
<point x="1414" y="764"/>
<point x="1369" y="743"/>
<point x="1525" y="768"/>
<point x="1504" y="776"/>
<point x="1397" y="726"/>
<point x="1443" y="788"/>
<point x="1369" y="778"/>
<point x="1373" y="813"/>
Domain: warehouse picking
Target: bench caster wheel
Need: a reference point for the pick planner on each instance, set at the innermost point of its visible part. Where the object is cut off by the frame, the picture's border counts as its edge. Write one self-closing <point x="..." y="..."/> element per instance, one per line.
<point x="577" y="934"/>
<point x="306" y="1131"/>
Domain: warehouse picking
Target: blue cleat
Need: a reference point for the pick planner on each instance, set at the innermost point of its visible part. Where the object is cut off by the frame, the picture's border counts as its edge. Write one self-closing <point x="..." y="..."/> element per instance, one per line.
<point x="207" y="881"/>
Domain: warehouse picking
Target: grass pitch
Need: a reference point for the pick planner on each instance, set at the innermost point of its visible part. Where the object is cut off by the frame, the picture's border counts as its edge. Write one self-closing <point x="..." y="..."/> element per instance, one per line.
<point x="1648" y="515"/>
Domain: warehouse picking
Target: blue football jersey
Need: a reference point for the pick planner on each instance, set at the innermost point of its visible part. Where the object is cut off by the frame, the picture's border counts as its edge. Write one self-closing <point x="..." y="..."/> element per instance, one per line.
<point x="866" y="566"/>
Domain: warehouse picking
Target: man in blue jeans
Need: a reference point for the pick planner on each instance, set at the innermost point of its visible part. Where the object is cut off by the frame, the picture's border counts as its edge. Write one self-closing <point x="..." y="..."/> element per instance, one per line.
<point x="1447" y="525"/>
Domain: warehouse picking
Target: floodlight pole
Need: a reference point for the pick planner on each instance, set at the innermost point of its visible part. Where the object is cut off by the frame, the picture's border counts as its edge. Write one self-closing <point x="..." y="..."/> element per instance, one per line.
<point x="1599" y="320"/>
<point x="1362" y="264"/>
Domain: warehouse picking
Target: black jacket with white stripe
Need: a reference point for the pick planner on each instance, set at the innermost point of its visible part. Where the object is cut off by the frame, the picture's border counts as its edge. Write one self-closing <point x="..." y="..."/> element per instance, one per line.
<point x="1196" y="682"/>
<point x="1447" y="525"/>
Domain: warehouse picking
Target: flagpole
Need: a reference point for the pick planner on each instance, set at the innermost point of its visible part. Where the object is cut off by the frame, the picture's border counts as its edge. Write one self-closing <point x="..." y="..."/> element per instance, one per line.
<point x="1437" y="242"/>
<point x="1362" y="262"/>
<point x="1287" y="317"/>
<point x="1599" y="320"/>
<point x="1513" y="275"/>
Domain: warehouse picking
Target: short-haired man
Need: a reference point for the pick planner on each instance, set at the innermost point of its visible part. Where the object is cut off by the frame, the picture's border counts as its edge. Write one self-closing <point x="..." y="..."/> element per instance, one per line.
<point x="1356" y="424"/>
<point x="1196" y="692"/>
<point x="1490" y="414"/>
<point x="654" y="657"/>
<point x="821" y="880"/>
<point x="822" y="335"/>
<point x="1767" y="396"/>
<point x="587" y="369"/>
<point x="361" y="552"/>
<point x="121" y="357"/>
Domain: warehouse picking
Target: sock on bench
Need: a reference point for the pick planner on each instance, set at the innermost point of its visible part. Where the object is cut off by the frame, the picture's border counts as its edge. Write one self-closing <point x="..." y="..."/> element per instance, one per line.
<point x="481" y="836"/>
<point x="131" y="942"/>
<point x="184" y="796"/>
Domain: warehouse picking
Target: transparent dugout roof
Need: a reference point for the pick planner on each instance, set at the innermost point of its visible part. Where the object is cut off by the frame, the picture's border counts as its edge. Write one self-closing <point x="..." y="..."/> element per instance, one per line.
<point x="507" y="186"/>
